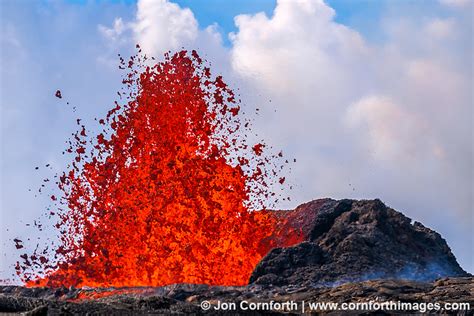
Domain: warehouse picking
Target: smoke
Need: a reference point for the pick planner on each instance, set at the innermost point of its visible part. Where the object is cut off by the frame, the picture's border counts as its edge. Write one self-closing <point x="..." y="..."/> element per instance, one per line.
<point x="412" y="272"/>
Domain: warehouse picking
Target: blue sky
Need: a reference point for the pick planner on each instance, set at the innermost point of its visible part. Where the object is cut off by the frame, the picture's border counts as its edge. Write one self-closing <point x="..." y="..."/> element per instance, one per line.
<point x="361" y="14"/>
<point x="378" y="96"/>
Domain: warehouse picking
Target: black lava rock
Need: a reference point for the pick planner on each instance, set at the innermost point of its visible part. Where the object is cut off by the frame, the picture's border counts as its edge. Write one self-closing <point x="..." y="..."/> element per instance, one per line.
<point x="348" y="240"/>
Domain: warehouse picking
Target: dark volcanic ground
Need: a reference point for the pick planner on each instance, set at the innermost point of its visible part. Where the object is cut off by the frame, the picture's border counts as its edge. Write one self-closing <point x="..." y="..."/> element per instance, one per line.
<point x="354" y="251"/>
<point x="186" y="299"/>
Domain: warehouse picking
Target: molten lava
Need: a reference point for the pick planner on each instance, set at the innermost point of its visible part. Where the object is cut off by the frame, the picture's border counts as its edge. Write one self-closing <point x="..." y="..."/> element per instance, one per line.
<point x="165" y="193"/>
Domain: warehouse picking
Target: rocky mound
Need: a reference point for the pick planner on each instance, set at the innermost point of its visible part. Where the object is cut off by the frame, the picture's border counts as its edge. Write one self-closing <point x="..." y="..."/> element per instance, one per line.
<point x="348" y="240"/>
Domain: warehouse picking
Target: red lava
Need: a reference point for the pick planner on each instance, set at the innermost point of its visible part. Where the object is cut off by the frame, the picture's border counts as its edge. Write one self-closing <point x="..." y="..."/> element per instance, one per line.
<point x="165" y="193"/>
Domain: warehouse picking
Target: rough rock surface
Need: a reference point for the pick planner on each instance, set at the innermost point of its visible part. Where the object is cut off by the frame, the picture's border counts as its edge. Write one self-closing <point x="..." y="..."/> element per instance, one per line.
<point x="184" y="299"/>
<point x="353" y="251"/>
<point x="350" y="240"/>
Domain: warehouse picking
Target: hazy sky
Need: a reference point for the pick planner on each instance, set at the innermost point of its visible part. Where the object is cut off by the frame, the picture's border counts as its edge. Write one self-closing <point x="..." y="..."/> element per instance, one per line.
<point x="373" y="98"/>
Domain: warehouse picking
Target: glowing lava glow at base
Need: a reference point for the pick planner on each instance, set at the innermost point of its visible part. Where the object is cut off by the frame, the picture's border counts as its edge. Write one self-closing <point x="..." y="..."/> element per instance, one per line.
<point x="165" y="193"/>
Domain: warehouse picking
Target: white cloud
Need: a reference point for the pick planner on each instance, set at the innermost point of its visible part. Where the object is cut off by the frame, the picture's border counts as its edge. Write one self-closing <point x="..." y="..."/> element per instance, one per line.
<point x="301" y="37"/>
<point x="441" y="28"/>
<point x="162" y="25"/>
<point x="394" y="135"/>
<point x="115" y="31"/>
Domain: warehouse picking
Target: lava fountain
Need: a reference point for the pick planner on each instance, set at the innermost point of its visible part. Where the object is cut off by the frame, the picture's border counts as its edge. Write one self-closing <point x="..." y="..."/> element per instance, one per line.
<point x="166" y="192"/>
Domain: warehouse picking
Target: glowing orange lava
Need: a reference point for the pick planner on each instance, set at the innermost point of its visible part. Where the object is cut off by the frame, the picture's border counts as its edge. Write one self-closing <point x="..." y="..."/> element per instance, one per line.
<point x="164" y="194"/>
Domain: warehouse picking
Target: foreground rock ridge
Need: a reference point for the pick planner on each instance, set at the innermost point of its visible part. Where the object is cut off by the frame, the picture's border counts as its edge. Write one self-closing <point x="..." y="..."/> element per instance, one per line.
<point x="353" y="251"/>
<point x="185" y="299"/>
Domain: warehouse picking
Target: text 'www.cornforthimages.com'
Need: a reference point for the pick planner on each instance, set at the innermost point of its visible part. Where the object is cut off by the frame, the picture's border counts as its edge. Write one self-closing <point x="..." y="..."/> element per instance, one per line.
<point x="305" y="306"/>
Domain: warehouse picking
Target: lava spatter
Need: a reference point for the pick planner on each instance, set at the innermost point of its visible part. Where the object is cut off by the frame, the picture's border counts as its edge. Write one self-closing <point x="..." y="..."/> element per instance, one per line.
<point x="166" y="193"/>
